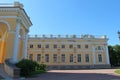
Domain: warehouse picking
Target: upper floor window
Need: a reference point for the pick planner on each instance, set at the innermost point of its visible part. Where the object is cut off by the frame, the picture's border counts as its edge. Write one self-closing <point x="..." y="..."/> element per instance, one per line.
<point x="71" y="46"/>
<point x="47" y="46"/>
<point x="78" y="46"/>
<point x="31" y="46"/>
<point x="55" y="46"/>
<point x="99" y="57"/>
<point x="99" y="48"/>
<point x="86" y="46"/>
<point x="63" y="46"/>
<point x="39" y="46"/>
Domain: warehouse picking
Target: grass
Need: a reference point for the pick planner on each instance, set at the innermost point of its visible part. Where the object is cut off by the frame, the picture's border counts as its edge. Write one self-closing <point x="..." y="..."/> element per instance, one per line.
<point x="117" y="71"/>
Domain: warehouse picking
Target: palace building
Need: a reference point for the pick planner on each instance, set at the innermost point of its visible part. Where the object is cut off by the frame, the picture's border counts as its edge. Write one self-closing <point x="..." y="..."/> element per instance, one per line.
<point x="70" y="51"/>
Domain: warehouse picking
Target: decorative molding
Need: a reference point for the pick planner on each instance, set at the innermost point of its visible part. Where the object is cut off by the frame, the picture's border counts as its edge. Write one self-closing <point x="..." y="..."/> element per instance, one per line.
<point x="7" y="23"/>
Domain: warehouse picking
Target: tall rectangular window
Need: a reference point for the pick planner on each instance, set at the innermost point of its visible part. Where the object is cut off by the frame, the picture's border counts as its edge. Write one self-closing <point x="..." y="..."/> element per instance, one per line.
<point x="38" y="57"/>
<point x="79" y="58"/>
<point x="87" y="57"/>
<point x="86" y="46"/>
<point x="70" y="46"/>
<point x="30" y="56"/>
<point x="47" y="46"/>
<point x="55" y="46"/>
<point x="79" y="46"/>
<point x="63" y="46"/>
<point x="100" y="57"/>
<point x="71" y="57"/>
<point x="62" y="57"/>
<point x="39" y="45"/>
<point x="54" y="57"/>
<point x="46" y="57"/>
<point x="31" y="46"/>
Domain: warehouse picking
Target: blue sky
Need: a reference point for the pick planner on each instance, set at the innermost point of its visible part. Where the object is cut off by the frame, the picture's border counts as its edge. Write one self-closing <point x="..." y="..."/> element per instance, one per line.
<point x="96" y="17"/>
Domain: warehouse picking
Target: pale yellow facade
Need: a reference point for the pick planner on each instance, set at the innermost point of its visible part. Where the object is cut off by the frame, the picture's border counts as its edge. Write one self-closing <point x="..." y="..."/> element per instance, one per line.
<point x="14" y="27"/>
<point x="69" y="50"/>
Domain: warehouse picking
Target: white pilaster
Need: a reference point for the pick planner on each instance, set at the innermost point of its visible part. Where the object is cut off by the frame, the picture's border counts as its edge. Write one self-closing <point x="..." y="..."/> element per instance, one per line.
<point x="16" y="44"/>
<point x="107" y="55"/>
<point x="93" y="55"/>
<point x="25" y="46"/>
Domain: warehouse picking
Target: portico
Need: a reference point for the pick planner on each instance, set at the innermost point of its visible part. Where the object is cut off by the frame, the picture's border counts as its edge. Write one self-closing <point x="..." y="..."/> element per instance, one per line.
<point x="14" y="28"/>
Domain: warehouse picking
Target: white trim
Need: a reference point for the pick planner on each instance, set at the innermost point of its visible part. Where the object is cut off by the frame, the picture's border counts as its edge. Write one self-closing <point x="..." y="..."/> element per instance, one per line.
<point x="7" y="23"/>
<point x="107" y="55"/>
<point x="93" y="55"/>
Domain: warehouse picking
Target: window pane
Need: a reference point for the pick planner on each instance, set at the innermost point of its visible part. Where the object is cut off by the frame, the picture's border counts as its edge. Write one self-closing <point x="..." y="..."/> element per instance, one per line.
<point x="46" y="57"/>
<point x="78" y="46"/>
<point x="100" y="57"/>
<point x="86" y="46"/>
<point x="54" y="57"/>
<point x="70" y="46"/>
<point x="87" y="57"/>
<point x="39" y="46"/>
<point x="47" y="46"/>
<point x="30" y="56"/>
<point x="79" y="57"/>
<point x="31" y="46"/>
<point x="38" y="57"/>
<point x="71" y="57"/>
<point x="55" y="46"/>
<point x="63" y="57"/>
<point x="63" y="46"/>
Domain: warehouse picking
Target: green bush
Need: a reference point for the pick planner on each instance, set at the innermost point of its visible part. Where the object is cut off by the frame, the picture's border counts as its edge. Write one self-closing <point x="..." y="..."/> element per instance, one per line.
<point x="29" y="67"/>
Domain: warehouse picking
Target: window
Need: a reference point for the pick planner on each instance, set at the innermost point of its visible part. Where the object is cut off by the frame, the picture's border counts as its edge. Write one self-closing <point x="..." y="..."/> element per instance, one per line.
<point x="55" y="46"/>
<point x="31" y="46"/>
<point x="63" y="46"/>
<point x="87" y="57"/>
<point x="63" y="57"/>
<point x="99" y="48"/>
<point x="71" y="46"/>
<point x="79" y="57"/>
<point x="54" y="57"/>
<point x="30" y="56"/>
<point x="38" y="57"/>
<point x="47" y="46"/>
<point x="86" y="46"/>
<point x="78" y="46"/>
<point x="39" y="46"/>
<point x="100" y="57"/>
<point x="46" y="57"/>
<point x="71" y="57"/>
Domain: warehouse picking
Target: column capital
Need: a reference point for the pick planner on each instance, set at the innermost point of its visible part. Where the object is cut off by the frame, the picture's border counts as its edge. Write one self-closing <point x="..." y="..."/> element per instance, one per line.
<point x="19" y="19"/>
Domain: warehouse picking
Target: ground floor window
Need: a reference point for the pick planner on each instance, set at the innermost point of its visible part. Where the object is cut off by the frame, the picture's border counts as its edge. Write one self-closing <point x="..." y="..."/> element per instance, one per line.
<point x="99" y="57"/>
<point x="62" y="57"/>
<point x="54" y="57"/>
<point x="38" y="57"/>
<point x="46" y="57"/>
<point x="30" y="56"/>
<point x="87" y="57"/>
<point x="79" y="58"/>
<point x="71" y="57"/>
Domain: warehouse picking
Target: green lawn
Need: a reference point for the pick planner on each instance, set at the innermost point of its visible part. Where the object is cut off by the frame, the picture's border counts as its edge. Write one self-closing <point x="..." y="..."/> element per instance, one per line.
<point x="117" y="71"/>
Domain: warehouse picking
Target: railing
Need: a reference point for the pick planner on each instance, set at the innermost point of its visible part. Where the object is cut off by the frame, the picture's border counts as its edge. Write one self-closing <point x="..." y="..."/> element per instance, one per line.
<point x="67" y="36"/>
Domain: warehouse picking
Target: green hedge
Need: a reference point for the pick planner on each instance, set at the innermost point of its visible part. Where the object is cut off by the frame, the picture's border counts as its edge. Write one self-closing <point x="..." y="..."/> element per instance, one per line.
<point x="29" y="67"/>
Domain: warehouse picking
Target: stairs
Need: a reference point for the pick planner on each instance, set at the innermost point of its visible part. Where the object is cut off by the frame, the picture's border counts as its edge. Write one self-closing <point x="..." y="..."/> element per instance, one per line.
<point x="3" y="73"/>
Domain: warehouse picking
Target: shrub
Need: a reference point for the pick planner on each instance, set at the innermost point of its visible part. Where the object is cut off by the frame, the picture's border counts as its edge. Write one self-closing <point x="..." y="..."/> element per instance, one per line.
<point x="29" y="67"/>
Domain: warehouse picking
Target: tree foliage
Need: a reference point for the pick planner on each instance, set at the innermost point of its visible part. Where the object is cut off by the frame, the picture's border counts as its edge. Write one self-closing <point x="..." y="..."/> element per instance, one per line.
<point x="114" y="53"/>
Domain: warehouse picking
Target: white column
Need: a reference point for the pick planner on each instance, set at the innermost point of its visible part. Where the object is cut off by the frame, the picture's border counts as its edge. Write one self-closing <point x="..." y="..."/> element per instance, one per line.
<point x="16" y="44"/>
<point x="107" y="55"/>
<point x="25" y="46"/>
<point x="93" y="55"/>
